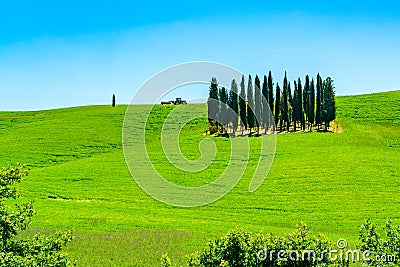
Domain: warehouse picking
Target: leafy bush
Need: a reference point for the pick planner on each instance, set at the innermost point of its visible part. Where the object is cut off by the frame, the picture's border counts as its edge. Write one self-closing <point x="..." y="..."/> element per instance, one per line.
<point x="39" y="251"/>
<point x="243" y="249"/>
<point x="382" y="252"/>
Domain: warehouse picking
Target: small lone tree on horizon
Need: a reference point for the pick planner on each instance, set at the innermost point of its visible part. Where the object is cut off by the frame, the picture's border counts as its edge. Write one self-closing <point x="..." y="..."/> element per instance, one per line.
<point x="113" y="100"/>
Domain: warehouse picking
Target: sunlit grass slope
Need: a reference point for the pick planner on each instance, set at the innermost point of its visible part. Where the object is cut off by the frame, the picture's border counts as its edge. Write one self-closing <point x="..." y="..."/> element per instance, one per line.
<point x="79" y="180"/>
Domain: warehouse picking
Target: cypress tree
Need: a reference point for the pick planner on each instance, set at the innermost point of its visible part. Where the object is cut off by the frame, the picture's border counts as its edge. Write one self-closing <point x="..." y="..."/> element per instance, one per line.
<point x="318" y="111"/>
<point x="332" y="110"/>
<point x="271" y="98"/>
<point x="257" y="103"/>
<point x="290" y="109"/>
<point x="264" y="104"/>
<point x="323" y="84"/>
<point x="277" y="103"/>
<point x="223" y="108"/>
<point x="328" y="103"/>
<point x="311" y="113"/>
<point x="290" y="95"/>
<point x="301" y="105"/>
<point x="284" y="108"/>
<point x="250" y="105"/>
<point x="113" y="101"/>
<point x="296" y="106"/>
<point x="242" y="106"/>
<point x="212" y="102"/>
<point x="234" y="105"/>
<point x="306" y="98"/>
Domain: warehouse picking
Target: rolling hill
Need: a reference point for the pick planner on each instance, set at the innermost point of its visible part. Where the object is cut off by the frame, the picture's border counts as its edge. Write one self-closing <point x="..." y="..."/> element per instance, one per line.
<point x="78" y="179"/>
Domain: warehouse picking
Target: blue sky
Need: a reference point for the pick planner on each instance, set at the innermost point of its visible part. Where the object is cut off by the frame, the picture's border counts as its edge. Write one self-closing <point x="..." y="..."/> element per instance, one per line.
<point x="68" y="53"/>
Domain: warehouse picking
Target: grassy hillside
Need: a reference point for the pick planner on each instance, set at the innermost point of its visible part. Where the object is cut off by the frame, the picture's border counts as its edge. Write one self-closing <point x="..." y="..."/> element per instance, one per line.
<point x="79" y="180"/>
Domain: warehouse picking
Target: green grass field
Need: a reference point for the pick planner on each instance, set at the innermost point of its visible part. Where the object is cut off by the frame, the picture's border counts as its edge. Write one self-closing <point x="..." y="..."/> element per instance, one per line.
<point x="79" y="180"/>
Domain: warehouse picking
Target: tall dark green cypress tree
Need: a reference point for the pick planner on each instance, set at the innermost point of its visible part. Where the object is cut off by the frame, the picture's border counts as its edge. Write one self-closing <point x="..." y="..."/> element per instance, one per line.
<point x="223" y="108"/>
<point x="301" y="103"/>
<point x="323" y="84"/>
<point x="290" y="108"/>
<point x="257" y="103"/>
<point x="311" y="107"/>
<point x="277" y="104"/>
<point x="332" y="110"/>
<point x="319" y="103"/>
<point x="250" y="105"/>
<point x="328" y="102"/>
<point x="213" y="107"/>
<point x="284" y="108"/>
<point x="264" y="103"/>
<point x="234" y="105"/>
<point x="306" y="98"/>
<point x="113" y="101"/>
<point x="242" y="106"/>
<point x="271" y="98"/>
<point x="296" y="106"/>
<point x="290" y="95"/>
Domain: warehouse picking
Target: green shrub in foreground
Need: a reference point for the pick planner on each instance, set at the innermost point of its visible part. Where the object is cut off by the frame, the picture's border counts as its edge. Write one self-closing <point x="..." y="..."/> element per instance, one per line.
<point x="243" y="249"/>
<point x="39" y="251"/>
<point x="383" y="252"/>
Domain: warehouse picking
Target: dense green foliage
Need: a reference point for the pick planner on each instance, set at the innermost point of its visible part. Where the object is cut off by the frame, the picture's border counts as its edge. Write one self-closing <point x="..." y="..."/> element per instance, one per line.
<point x="38" y="251"/>
<point x="288" y="109"/>
<point x="240" y="248"/>
<point x="383" y="251"/>
<point x="78" y="179"/>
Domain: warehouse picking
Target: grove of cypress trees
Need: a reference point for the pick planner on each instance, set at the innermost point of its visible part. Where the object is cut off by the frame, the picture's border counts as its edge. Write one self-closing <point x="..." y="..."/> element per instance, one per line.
<point x="312" y="104"/>
<point x="242" y="106"/>
<point x="257" y="103"/>
<point x="250" y="105"/>
<point x="277" y="103"/>
<point x="234" y="105"/>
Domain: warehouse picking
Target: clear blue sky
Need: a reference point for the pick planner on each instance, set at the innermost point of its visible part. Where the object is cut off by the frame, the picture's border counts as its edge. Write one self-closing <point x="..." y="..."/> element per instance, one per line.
<point x="69" y="53"/>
